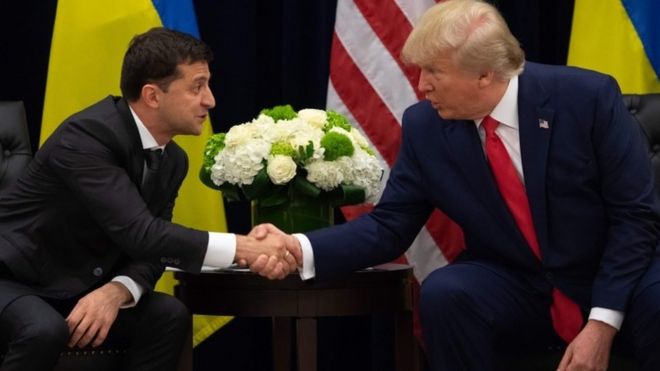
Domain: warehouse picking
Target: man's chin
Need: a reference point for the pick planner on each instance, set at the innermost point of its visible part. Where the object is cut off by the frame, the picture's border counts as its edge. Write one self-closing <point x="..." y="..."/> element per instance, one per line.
<point x="443" y="114"/>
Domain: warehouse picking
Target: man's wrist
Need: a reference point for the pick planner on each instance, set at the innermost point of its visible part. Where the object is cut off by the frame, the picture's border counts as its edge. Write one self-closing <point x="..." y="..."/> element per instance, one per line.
<point x="119" y="292"/>
<point x="611" y="317"/>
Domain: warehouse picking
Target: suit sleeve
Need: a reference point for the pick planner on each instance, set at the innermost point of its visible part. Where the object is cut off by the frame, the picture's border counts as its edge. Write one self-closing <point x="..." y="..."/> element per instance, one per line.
<point x="84" y="161"/>
<point x="386" y="232"/>
<point x="627" y="188"/>
<point x="146" y="273"/>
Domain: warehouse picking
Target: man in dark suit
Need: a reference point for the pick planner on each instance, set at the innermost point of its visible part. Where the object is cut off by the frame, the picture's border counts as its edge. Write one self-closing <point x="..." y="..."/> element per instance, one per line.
<point x="548" y="176"/>
<point x="86" y="229"/>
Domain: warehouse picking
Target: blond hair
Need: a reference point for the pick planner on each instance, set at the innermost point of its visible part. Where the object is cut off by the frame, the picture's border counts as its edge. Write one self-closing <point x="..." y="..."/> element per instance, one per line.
<point x="472" y="32"/>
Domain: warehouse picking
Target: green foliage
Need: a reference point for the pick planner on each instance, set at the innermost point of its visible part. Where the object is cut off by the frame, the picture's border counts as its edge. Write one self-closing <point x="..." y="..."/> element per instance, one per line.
<point x="284" y="112"/>
<point x="214" y="145"/>
<point x="370" y="151"/>
<point x="336" y="119"/>
<point x="305" y="153"/>
<point x="336" y="145"/>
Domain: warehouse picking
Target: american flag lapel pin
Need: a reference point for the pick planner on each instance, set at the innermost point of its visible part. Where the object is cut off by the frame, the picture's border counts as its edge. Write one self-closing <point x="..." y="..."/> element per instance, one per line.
<point x="543" y="124"/>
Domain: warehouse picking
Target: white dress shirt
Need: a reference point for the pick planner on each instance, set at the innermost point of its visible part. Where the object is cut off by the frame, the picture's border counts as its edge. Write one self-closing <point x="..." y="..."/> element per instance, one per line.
<point x="506" y="112"/>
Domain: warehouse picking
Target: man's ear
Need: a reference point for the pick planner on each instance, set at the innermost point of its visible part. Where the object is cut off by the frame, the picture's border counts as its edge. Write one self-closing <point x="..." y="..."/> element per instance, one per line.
<point x="150" y="95"/>
<point x="486" y="79"/>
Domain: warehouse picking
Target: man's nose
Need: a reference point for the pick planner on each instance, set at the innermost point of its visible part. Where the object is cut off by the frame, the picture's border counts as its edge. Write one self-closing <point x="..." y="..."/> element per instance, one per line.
<point x="208" y="100"/>
<point x="423" y="84"/>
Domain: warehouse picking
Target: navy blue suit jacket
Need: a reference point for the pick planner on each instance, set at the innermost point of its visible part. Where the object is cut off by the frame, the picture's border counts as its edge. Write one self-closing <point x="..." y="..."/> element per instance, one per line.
<point x="587" y="176"/>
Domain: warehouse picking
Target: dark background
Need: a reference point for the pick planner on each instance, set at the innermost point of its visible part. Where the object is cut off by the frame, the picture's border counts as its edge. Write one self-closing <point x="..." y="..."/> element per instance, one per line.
<point x="267" y="52"/>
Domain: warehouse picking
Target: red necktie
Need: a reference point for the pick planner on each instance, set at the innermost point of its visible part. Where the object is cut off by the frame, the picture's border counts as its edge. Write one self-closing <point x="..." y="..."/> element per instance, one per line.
<point x="566" y="315"/>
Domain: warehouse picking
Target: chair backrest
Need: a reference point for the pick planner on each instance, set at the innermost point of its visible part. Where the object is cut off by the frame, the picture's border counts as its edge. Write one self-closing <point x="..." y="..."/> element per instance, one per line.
<point x="645" y="108"/>
<point x="15" y="151"/>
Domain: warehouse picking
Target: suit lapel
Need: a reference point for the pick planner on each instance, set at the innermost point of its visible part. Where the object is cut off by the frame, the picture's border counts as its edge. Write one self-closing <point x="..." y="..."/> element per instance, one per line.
<point x="465" y="146"/>
<point x="536" y="120"/>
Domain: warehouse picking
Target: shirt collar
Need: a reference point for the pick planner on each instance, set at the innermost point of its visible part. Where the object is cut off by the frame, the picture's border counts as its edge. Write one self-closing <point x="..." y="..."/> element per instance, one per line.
<point x="506" y="110"/>
<point x="148" y="141"/>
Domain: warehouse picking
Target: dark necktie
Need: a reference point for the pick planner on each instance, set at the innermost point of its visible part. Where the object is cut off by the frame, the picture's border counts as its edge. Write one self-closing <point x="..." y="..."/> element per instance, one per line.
<point x="566" y="315"/>
<point x="153" y="159"/>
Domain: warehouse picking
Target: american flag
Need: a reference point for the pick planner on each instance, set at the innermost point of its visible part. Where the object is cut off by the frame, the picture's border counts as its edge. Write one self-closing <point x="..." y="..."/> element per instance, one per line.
<point x="372" y="87"/>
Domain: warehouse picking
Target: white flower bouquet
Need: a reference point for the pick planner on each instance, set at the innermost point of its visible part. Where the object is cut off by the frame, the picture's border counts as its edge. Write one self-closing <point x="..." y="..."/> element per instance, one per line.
<point x="312" y="152"/>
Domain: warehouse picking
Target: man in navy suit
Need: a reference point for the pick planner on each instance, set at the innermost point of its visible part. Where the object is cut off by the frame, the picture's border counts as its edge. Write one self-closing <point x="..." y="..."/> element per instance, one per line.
<point x="86" y="229"/>
<point x="586" y="265"/>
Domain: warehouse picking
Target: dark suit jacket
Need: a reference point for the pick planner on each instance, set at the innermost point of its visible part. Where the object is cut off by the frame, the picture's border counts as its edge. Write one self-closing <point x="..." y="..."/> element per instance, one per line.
<point x="76" y="217"/>
<point x="588" y="180"/>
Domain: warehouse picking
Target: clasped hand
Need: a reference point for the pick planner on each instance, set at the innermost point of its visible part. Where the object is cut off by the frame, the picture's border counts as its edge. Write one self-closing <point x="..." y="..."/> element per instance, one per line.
<point x="269" y="252"/>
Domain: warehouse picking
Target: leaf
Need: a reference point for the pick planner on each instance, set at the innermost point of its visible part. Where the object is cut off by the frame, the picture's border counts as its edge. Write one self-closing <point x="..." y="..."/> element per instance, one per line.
<point x="205" y="177"/>
<point x="230" y="192"/>
<point x="275" y="199"/>
<point x="260" y="186"/>
<point x="346" y="195"/>
<point x="306" y="152"/>
<point x="305" y="187"/>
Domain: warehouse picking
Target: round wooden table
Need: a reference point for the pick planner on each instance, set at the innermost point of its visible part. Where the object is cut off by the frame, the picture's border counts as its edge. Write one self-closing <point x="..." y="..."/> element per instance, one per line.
<point x="384" y="289"/>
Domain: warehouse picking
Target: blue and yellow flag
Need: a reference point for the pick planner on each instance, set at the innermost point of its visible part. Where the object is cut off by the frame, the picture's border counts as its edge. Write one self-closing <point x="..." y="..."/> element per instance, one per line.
<point x="89" y="41"/>
<point x="620" y="38"/>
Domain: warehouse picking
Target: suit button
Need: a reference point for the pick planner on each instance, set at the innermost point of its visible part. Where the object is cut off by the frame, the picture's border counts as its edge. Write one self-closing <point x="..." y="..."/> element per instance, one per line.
<point x="176" y="262"/>
<point x="98" y="271"/>
<point x="163" y="260"/>
<point x="549" y="276"/>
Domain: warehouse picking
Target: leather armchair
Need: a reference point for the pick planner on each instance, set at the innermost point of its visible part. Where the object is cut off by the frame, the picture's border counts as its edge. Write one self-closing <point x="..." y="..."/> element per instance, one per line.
<point x="645" y="109"/>
<point x="15" y="151"/>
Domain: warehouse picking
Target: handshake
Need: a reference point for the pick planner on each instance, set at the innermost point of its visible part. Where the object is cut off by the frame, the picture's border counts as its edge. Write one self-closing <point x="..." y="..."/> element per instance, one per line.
<point x="269" y="252"/>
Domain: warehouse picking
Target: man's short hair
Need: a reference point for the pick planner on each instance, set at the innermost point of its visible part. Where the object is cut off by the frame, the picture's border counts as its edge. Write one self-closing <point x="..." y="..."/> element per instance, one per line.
<point x="153" y="57"/>
<point x="472" y="32"/>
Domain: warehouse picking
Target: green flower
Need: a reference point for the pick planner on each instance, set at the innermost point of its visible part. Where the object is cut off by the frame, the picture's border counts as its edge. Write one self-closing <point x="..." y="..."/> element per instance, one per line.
<point x="282" y="148"/>
<point x="336" y="119"/>
<point x="336" y="145"/>
<point x="284" y="112"/>
<point x="215" y="144"/>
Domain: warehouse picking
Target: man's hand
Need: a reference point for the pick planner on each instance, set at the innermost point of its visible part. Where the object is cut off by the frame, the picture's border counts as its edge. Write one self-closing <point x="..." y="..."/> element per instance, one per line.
<point x="293" y="254"/>
<point x="266" y="253"/>
<point x="591" y="348"/>
<point x="91" y="318"/>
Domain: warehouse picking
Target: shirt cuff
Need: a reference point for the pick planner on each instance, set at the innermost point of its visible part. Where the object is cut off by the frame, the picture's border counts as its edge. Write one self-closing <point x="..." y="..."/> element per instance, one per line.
<point x="308" y="270"/>
<point x="221" y="250"/>
<point x="613" y="318"/>
<point x="132" y="287"/>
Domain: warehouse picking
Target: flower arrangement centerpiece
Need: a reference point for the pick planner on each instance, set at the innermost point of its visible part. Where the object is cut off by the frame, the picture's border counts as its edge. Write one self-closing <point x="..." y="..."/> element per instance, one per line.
<point x="294" y="166"/>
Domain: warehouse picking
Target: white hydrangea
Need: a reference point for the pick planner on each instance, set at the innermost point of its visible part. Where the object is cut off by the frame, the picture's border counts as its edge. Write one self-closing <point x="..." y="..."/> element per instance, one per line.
<point x="238" y="164"/>
<point x="326" y="175"/>
<point x="358" y="139"/>
<point x="315" y="117"/>
<point x="298" y="132"/>
<point x="341" y="131"/>
<point x="281" y="169"/>
<point x="363" y="170"/>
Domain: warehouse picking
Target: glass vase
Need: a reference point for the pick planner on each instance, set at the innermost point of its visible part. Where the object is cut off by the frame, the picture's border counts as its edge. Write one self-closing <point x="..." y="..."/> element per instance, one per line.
<point x="299" y="213"/>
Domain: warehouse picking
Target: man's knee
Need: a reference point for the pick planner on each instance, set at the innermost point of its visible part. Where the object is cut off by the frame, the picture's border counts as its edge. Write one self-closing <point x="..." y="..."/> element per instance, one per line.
<point x="42" y="334"/>
<point x="441" y="295"/>
<point x="170" y="310"/>
<point x="644" y="314"/>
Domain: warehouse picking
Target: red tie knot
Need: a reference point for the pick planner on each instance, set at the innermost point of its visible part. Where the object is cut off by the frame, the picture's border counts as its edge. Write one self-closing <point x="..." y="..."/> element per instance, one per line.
<point x="489" y="124"/>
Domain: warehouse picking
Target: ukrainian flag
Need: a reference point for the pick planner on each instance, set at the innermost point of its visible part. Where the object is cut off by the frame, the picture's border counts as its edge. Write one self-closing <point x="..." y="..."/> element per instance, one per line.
<point x="90" y="38"/>
<point x="620" y="38"/>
